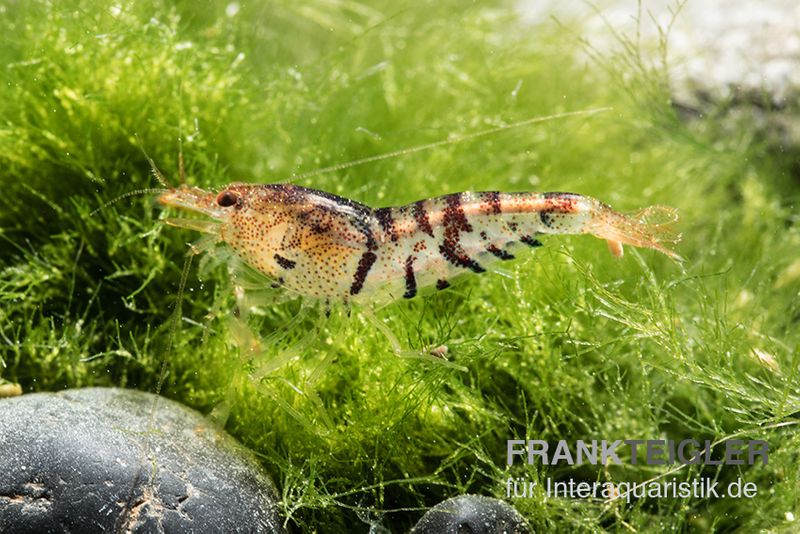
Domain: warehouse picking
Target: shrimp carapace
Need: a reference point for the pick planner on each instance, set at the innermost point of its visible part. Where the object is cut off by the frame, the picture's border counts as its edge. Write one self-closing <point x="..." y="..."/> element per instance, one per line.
<point x="325" y="246"/>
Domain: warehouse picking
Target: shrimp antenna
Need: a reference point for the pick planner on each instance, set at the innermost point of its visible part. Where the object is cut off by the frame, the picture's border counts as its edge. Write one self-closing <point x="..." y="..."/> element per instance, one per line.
<point x="459" y="139"/>
<point x="153" y="169"/>
<point x="156" y="173"/>
<point x="129" y="194"/>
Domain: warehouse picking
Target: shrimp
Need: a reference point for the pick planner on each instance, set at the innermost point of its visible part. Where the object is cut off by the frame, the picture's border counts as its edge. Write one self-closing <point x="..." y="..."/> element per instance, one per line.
<point x="333" y="249"/>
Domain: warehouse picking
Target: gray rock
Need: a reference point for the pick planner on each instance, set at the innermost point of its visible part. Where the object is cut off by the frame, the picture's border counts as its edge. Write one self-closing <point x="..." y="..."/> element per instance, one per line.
<point x="716" y="47"/>
<point x="739" y="61"/>
<point x="102" y="459"/>
<point x="471" y="514"/>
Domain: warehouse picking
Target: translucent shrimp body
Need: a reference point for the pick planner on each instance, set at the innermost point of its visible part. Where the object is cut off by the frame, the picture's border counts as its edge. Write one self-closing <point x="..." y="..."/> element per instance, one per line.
<point x="334" y="249"/>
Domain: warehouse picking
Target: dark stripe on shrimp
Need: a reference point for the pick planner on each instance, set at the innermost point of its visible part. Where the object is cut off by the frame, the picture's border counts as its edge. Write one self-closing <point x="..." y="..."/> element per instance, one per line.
<point x="530" y="241"/>
<point x="326" y="209"/>
<point x="454" y="218"/>
<point x="492" y="201"/>
<point x="411" y="281"/>
<point x="364" y="265"/>
<point x="546" y="217"/>
<point x="384" y="217"/>
<point x="286" y="263"/>
<point x="500" y="253"/>
<point x="455" y="221"/>
<point x="442" y="284"/>
<point x="421" y="216"/>
<point x="460" y="260"/>
<point x="297" y="194"/>
<point x="363" y="226"/>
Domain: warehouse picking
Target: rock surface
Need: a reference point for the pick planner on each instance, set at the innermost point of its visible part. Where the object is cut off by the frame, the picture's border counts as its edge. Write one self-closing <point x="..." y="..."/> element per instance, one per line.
<point x="714" y="46"/>
<point x="471" y="514"/>
<point x="737" y="60"/>
<point x="101" y="459"/>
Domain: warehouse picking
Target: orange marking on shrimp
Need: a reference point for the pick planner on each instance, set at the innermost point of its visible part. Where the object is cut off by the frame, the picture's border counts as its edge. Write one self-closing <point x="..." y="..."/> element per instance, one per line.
<point x="328" y="247"/>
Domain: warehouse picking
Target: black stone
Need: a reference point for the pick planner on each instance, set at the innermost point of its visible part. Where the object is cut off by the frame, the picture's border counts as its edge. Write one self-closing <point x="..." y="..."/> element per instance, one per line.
<point x="471" y="514"/>
<point x="103" y="460"/>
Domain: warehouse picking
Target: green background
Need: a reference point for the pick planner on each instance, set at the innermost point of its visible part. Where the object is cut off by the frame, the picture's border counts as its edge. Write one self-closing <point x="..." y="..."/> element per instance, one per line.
<point x="574" y="344"/>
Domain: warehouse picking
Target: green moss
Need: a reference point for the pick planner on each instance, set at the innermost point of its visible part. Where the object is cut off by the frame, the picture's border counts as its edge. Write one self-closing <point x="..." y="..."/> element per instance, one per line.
<point x="574" y="345"/>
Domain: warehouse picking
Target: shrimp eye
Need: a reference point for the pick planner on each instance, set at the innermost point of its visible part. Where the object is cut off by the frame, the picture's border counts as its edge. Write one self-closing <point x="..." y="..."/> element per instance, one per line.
<point x="227" y="198"/>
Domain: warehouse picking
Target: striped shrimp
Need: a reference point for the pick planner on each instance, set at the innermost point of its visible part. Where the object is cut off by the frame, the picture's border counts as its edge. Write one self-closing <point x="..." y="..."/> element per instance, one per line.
<point x="319" y="245"/>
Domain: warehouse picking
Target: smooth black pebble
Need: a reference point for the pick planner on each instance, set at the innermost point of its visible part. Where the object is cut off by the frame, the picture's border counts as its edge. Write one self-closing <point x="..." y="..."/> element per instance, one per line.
<point x="102" y="460"/>
<point x="471" y="514"/>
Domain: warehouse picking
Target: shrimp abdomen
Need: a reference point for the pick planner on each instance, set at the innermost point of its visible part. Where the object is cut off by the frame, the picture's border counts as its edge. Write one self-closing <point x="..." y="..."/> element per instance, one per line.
<point x="430" y="241"/>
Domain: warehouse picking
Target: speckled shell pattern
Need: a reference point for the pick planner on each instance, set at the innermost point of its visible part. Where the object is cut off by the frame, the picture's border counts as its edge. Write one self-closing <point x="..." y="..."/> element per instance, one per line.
<point x="334" y="249"/>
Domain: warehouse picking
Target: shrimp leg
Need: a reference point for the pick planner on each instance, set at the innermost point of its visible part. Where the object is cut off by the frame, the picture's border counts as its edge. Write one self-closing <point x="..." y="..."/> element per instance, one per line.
<point x="397" y="348"/>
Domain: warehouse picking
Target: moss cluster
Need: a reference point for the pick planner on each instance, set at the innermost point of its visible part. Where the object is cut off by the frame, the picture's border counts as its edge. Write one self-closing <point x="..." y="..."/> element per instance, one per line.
<point x="575" y="344"/>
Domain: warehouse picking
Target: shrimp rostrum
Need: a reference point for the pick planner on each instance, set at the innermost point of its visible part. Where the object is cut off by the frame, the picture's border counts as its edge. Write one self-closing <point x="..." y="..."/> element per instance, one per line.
<point x="319" y="245"/>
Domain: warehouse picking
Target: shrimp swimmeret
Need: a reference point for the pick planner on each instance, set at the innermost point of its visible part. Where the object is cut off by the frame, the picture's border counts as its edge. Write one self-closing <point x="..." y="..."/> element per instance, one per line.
<point x="333" y="249"/>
